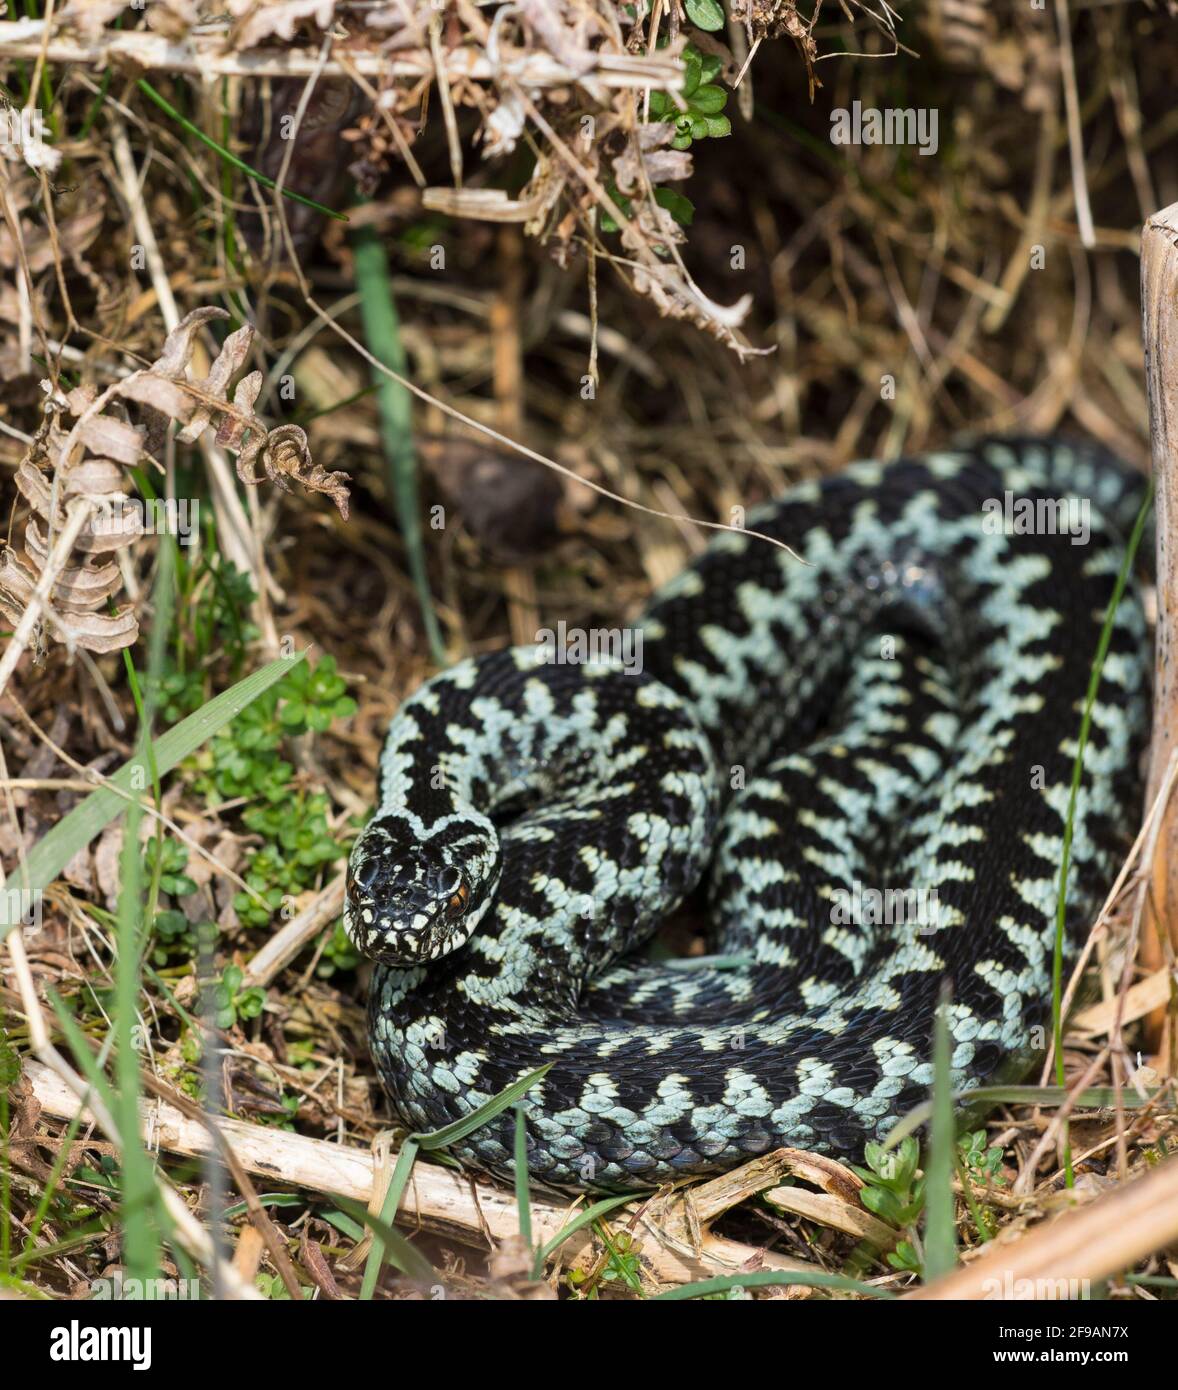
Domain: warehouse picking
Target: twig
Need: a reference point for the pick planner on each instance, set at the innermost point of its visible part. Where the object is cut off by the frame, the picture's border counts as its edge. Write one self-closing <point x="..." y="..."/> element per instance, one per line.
<point x="515" y="447"/>
<point x="205" y="56"/>
<point x="1075" y="131"/>
<point x="285" y="944"/>
<point x="442" y="1199"/>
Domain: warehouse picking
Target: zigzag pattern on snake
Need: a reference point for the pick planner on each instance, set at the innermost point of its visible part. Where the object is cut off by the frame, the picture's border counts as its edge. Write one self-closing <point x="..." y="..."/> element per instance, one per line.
<point x="865" y="761"/>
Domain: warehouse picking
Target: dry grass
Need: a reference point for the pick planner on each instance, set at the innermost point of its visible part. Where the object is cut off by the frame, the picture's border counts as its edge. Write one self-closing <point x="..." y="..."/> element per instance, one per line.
<point x="722" y="362"/>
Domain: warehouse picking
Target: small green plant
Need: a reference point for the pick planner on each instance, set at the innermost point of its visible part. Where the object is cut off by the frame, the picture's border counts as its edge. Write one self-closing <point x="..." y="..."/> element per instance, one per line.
<point x="895" y="1194"/>
<point x="622" y="1265"/>
<point x="313" y="696"/>
<point x="169" y="858"/>
<point x="703" y="119"/>
<point x="338" y="954"/>
<point x="230" y="1002"/>
<point x="212" y="625"/>
<point x="174" y="935"/>
<point x="245" y="761"/>
<point x="705" y="99"/>
<point x="271" y="1287"/>
<point x="982" y="1162"/>
<point x="300" y="842"/>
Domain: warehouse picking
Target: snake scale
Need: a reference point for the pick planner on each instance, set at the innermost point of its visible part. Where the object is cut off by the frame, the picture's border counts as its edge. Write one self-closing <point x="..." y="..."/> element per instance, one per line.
<point x="856" y="769"/>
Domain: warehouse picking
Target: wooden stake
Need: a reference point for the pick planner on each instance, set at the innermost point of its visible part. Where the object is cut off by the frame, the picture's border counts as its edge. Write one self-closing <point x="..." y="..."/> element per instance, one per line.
<point x="1063" y="1258"/>
<point x="1159" y="313"/>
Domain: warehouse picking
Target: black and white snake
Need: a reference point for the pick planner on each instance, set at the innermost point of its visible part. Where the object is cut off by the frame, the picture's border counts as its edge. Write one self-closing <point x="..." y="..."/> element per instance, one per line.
<point x="865" y="758"/>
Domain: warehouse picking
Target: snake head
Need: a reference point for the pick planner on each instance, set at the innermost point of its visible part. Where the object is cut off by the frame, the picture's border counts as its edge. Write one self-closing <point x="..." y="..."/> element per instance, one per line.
<point x="409" y="900"/>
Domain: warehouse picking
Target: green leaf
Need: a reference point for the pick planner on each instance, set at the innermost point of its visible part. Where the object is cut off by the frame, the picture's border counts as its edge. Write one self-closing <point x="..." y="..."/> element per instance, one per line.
<point x="709" y="100"/>
<point x="710" y="67"/>
<point x="54" y="850"/>
<point x="884" y="1204"/>
<point x="692" y="70"/>
<point x="718" y="126"/>
<point x="681" y="209"/>
<point x="705" y="14"/>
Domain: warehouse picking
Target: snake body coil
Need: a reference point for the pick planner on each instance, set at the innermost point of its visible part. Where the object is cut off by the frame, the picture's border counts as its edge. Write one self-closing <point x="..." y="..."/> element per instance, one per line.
<point x="866" y="758"/>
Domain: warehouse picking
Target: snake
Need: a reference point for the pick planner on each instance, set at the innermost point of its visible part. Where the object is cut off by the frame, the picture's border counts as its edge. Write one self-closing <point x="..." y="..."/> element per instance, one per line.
<point x="835" y="758"/>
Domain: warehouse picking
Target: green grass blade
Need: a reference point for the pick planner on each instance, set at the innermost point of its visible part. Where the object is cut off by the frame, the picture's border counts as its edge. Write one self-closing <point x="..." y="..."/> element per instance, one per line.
<point x="5" y="1190"/>
<point x="1077" y="776"/>
<point x="141" y="1246"/>
<point x="523" y="1198"/>
<point x="582" y="1219"/>
<point x="54" y="851"/>
<point x="227" y="155"/>
<point x="271" y="1199"/>
<point x="383" y="1249"/>
<point x="88" y="1064"/>
<point x="768" y="1278"/>
<point x="391" y="1244"/>
<point x="442" y="1138"/>
<point x="940" y="1238"/>
<point x="354" y="1230"/>
<point x="438" y="1139"/>
<point x="1094" y="1098"/>
<point x="138" y="1195"/>
<point x="382" y="330"/>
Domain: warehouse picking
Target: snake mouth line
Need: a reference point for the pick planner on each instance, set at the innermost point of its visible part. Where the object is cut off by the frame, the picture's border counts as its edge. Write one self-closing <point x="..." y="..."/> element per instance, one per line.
<point x="427" y="930"/>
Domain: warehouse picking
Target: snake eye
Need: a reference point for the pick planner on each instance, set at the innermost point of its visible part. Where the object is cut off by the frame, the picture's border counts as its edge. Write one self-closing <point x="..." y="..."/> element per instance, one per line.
<point x="460" y="898"/>
<point x="446" y="881"/>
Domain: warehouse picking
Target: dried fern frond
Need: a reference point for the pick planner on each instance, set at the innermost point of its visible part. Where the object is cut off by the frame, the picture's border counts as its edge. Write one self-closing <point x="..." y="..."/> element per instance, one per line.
<point x="86" y="464"/>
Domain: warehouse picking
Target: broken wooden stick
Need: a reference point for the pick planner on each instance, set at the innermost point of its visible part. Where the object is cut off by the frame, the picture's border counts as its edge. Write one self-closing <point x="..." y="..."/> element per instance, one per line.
<point x="668" y="1233"/>
<point x="1066" y="1256"/>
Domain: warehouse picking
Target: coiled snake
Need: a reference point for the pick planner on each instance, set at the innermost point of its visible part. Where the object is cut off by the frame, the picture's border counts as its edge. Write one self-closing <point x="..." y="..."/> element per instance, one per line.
<point x="867" y="760"/>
